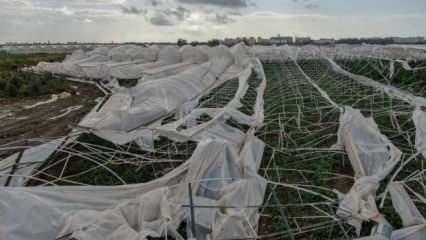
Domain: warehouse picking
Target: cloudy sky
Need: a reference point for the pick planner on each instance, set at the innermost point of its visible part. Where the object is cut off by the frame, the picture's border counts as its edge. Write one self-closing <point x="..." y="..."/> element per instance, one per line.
<point x="167" y="20"/>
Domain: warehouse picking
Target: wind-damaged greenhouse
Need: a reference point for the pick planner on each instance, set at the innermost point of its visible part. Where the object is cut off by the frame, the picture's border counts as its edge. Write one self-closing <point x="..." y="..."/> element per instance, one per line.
<point x="229" y="143"/>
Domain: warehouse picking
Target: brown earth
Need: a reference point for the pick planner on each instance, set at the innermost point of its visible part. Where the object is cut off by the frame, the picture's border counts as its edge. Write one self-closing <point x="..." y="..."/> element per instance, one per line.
<point x="22" y="124"/>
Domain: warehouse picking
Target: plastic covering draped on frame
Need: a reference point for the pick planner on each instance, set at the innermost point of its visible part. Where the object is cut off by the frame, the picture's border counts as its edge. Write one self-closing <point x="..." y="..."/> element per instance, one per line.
<point x="372" y="157"/>
<point x="134" y="211"/>
<point x="30" y="159"/>
<point x="163" y="96"/>
<point x="419" y="119"/>
<point x="222" y="170"/>
<point x="151" y="100"/>
<point x="414" y="224"/>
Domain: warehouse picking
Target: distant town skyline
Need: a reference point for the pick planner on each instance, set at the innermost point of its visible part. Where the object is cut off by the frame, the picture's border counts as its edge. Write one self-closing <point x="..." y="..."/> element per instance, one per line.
<point x="166" y="20"/>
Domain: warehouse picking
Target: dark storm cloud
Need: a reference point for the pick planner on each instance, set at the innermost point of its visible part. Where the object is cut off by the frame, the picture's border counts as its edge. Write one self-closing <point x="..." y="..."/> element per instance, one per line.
<point x="167" y="17"/>
<point x="222" y="18"/>
<point x="180" y="12"/>
<point x="308" y="4"/>
<point x="189" y="12"/>
<point x="160" y="19"/>
<point x="132" y="10"/>
<point x="155" y="3"/>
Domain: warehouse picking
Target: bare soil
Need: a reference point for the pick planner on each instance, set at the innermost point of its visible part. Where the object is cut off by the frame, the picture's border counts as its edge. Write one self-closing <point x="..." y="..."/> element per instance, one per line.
<point x="21" y="123"/>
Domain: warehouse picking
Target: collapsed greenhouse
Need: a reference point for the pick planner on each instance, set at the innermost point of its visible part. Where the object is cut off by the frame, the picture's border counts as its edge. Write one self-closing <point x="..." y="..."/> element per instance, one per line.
<point x="229" y="143"/>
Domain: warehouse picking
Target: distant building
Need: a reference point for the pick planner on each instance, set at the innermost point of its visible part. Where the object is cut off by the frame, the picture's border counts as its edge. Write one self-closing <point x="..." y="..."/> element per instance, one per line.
<point x="279" y="40"/>
<point x="325" y="41"/>
<point x="303" y="40"/>
<point x="263" y="41"/>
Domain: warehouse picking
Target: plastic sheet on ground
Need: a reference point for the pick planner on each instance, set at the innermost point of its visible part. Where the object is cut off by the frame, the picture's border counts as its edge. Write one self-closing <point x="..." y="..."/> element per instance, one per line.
<point x="414" y="224"/>
<point x="419" y="119"/>
<point x="29" y="160"/>
<point x="135" y="211"/>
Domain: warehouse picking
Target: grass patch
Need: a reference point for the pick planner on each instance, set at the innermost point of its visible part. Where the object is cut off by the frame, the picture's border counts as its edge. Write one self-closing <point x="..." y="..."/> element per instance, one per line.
<point x="17" y="83"/>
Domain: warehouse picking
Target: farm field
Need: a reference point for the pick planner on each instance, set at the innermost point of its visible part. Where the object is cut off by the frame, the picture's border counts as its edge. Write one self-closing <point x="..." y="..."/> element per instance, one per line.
<point x="21" y="92"/>
<point x="215" y="143"/>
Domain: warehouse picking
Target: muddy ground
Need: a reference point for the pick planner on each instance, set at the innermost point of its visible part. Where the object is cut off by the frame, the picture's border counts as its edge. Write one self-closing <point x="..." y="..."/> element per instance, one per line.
<point x="18" y="123"/>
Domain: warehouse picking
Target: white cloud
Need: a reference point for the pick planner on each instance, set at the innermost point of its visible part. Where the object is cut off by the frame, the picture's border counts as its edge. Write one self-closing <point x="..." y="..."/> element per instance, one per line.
<point x="66" y="11"/>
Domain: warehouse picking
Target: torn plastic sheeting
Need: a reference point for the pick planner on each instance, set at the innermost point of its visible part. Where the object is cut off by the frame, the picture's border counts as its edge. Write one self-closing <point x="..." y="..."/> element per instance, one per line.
<point x="166" y="56"/>
<point x="259" y="114"/>
<point x="372" y="157"/>
<point x="419" y="119"/>
<point x="30" y="160"/>
<point x="239" y="222"/>
<point x="145" y="136"/>
<point x="216" y="126"/>
<point x="391" y="68"/>
<point x="75" y="56"/>
<point x="243" y="86"/>
<point x="59" y="68"/>
<point x="414" y="223"/>
<point x="214" y="129"/>
<point x="165" y="71"/>
<point x="122" y="69"/>
<point x="103" y="51"/>
<point x="370" y="152"/>
<point x="43" y="209"/>
<point x="242" y="55"/>
<point x="64" y="210"/>
<point x="233" y="191"/>
<point x="102" y="70"/>
<point x="220" y="51"/>
<point x="247" y="219"/>
<point x="170" y="129"/>
<point x="132" y="52"/>
<point x="69" y="68"/>
<point x="404" y="206"/>
<point x="150" y="100"/>
<point x="135" y="71"/>
<point x="407" y="66"/>
<point x="147" y="54"/>
<point x="418" y="102"/>
<point x="119" y="54"/>
<point x="410" y="233"/>
<point x="169" y="55"/>
<point x="232" y="106"/>
<point x="96" y="64"/>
